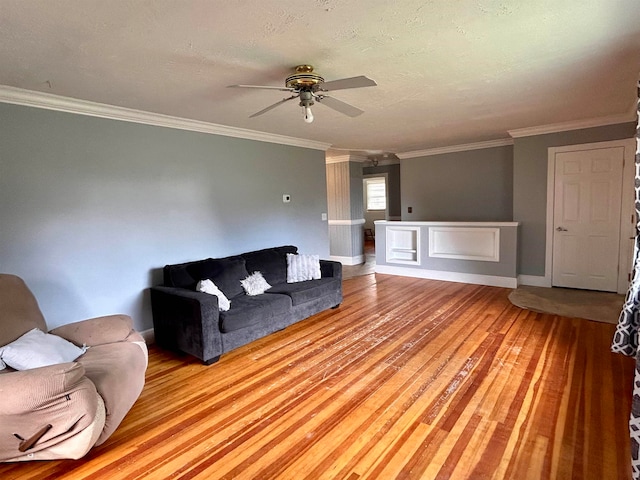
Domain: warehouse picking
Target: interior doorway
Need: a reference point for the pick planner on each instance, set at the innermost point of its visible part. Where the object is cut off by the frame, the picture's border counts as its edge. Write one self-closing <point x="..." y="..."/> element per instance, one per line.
<point x="589" y="215"/>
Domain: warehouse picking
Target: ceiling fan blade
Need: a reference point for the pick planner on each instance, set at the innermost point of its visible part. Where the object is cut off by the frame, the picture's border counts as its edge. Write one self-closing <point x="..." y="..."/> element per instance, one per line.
<point x="340" y="106"/>
<point x="270" y="107"/>
<point x="264" y="87"/>
<point x="344" y="83"/>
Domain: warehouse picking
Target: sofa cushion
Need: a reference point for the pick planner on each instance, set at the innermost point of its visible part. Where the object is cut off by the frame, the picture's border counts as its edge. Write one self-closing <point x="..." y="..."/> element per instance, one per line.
<point x="227" y="273"/>
<point x="302" y="292"/>
<point x="250" y="310"/>
<point x="183" y="275"/>
<point x="271" y="262"/>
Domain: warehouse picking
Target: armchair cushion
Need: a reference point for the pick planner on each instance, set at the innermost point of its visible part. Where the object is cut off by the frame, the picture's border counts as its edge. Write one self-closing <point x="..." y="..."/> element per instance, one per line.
<point x="96" y="331"/>
<point x="59" y="395"/>
<point x="107" y="367"/>
<point x="20" y="312"/>
<point x="38" y="349"/>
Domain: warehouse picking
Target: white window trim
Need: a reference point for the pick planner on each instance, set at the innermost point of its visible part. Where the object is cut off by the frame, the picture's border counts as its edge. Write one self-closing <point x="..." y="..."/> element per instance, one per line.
<point x="376" y="179"/>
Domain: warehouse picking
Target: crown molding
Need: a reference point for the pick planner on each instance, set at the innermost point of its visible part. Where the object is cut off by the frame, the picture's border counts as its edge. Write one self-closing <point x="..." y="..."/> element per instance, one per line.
<point x="337" y="159"/>
<point x="574" y="125"/>
<point x="30" y="98"/>
<point x="502" y="142"/>
<point x="345" y="158"/>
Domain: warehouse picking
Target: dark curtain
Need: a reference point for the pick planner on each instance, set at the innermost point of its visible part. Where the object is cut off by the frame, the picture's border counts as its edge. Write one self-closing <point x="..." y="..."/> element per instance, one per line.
<point x="625" y="340"/>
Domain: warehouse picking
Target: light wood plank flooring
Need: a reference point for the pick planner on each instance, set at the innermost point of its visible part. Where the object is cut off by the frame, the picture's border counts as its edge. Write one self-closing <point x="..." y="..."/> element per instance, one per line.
<point x="408" y="379"/>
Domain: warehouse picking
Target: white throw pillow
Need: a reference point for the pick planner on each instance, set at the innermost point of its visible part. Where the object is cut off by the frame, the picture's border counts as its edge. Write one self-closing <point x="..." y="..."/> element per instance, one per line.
<point x="255" y="284"/>
<point x="207" y="286"/>
<point x="38" y="349"/>
<point x="302" y="267"/>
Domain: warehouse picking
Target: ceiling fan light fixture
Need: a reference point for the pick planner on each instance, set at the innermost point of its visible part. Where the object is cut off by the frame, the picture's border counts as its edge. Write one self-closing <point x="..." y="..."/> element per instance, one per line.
<point x="308" y="114"/>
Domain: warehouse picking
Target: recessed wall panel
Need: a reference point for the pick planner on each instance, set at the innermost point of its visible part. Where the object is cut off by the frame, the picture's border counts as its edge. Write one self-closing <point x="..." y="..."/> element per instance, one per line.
<point x="462" y="243"/>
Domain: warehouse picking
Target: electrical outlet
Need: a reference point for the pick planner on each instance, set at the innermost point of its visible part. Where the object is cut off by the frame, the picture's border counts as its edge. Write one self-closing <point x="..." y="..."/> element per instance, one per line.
<point x="324" y="216"/>
<point x="410" y="209"/>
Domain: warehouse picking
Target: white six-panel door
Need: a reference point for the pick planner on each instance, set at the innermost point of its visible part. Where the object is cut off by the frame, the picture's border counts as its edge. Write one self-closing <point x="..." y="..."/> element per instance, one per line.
<point x="586" y="218"/>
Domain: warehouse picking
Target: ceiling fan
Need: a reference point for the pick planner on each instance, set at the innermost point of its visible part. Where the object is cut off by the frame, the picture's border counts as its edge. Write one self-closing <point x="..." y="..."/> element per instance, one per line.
<point x="310" y="88"/>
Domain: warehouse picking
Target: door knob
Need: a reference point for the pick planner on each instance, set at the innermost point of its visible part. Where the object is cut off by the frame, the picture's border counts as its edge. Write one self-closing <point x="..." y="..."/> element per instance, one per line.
<point x="561" y="229"/>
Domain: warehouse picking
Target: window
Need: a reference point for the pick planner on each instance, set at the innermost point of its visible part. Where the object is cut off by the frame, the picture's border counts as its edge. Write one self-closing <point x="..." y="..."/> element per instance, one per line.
<point x="375" y="191"/>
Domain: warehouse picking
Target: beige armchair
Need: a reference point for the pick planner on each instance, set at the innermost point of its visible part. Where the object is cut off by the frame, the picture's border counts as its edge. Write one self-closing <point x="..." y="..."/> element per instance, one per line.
<point x="63" y="410"/>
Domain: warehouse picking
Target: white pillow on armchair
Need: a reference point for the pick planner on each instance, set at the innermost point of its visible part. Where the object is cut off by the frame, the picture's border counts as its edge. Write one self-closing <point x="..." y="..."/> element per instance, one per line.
<point x="37" y="349"/>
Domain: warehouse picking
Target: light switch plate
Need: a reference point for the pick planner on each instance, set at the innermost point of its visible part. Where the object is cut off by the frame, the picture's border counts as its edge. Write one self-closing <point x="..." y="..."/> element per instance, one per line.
<point x="286" y="198"/>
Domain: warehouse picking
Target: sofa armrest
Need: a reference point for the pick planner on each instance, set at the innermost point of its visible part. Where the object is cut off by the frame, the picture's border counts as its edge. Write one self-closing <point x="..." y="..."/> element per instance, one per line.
<point x="97" y="331"/>
<point x="187" y="321"/>
<point x="330" y="268"/>
<point x="57" y="395"/>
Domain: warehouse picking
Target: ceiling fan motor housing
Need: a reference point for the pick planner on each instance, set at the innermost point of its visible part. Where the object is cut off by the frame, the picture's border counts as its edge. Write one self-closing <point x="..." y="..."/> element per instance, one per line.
<point x="304" y="78"/>
<point x="306" y="98"/>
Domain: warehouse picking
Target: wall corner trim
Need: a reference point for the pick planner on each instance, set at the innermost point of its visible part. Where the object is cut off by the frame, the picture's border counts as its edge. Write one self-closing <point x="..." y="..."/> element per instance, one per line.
<point x="30" y="98"/>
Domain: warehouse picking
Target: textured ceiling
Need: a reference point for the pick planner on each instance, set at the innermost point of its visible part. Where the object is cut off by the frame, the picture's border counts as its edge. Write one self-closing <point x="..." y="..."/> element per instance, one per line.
<point x="448" y="72"/>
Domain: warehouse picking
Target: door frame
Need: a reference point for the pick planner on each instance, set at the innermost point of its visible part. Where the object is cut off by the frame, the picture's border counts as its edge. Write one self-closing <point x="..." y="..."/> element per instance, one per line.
<point x="627" y="212"/>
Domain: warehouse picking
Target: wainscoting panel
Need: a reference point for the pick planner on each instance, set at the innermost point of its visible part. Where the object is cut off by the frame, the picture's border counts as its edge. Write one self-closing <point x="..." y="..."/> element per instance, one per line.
<point x="462" y="243"/>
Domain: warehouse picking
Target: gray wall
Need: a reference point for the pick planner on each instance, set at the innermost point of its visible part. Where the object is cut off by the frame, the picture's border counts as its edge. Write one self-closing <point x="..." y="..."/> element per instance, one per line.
<point x="530" y="159"/>
<point x="474" y="185"/>
<point x="91" y="209"/>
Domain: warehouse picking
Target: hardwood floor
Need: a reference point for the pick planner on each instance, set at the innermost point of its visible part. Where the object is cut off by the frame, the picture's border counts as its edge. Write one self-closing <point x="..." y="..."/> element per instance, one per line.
<point x="407" y="379"/>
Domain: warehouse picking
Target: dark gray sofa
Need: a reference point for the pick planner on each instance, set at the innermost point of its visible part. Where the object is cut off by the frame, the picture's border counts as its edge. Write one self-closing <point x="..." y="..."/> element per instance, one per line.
<point x="189" y="321"/>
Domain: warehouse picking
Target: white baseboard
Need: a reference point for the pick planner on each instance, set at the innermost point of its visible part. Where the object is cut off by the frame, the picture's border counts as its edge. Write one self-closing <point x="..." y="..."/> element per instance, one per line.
<point x="534" y="281"/>
<point x="474" y="278"/>
<point x="357" y="260"/>
<point x="149" y="336"/>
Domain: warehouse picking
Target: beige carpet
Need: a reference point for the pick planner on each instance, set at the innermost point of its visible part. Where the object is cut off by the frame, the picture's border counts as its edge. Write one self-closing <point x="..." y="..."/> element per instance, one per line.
<point x="598" y="306"/>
